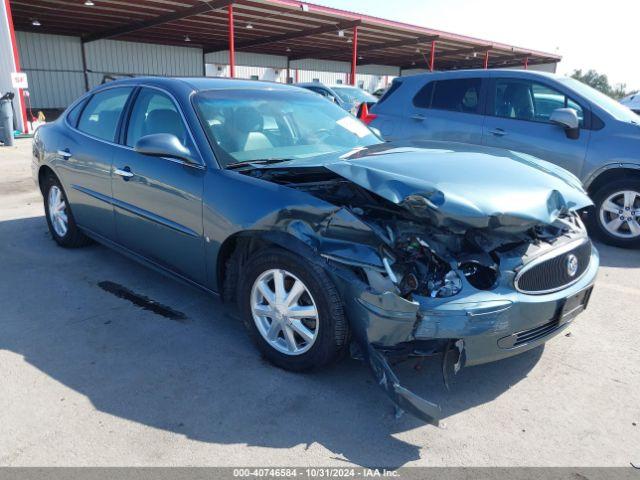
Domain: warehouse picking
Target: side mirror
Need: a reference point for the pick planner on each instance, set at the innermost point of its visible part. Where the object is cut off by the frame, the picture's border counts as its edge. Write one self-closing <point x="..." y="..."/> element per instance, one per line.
<point x="568" y="119"/>
<point x="163" y="145"/>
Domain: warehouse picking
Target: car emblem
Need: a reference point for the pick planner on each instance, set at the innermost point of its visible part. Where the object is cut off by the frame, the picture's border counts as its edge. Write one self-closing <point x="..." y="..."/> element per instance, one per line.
<point x="572" y="265"/>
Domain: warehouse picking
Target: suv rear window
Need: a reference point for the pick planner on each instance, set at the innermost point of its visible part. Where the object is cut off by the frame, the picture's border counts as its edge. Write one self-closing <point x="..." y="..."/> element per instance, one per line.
<point x="459" y="95"/>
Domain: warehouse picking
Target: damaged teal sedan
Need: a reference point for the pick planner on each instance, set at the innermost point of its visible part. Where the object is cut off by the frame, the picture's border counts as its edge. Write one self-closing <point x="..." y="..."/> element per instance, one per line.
<point x="327" y="239"/>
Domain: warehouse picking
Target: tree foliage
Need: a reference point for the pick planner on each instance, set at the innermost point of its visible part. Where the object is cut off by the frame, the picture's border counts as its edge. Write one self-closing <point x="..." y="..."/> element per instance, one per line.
<point x="599" y="81"/>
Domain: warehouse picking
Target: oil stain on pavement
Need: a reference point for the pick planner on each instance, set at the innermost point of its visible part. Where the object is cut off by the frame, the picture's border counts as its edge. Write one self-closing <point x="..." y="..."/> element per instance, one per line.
<point x="142" y="301"/>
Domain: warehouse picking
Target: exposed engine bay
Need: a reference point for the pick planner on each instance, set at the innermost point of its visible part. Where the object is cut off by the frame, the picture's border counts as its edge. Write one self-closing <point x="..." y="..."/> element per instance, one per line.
<point x="418" y="258"/>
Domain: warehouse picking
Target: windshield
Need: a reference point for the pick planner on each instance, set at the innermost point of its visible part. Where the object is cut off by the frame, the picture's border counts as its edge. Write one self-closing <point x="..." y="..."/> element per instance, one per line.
<point x="615" y="109"/>
<point x="250" y="125"/>
<point x="352" y="95"/>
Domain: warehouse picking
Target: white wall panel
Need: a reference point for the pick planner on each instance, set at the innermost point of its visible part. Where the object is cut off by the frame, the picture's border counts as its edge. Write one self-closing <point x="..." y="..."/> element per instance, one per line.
<point x="54" y="64"/>
<point x="114" y="56"/>
<point x="54" y="68"/>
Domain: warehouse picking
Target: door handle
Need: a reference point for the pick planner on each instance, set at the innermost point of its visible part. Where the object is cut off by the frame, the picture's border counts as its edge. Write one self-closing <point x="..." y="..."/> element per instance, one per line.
<point x="125" y="173"/>
<point x="418" y="117"/>
<point x="498" y="132"/>
<point x="66" y="154"/>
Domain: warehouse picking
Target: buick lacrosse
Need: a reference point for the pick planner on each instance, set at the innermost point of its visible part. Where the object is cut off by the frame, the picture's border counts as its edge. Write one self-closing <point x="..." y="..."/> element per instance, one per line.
<point x="328" y="239"/>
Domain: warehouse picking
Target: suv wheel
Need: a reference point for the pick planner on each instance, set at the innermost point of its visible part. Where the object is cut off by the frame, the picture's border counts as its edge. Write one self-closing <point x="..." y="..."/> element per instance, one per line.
<point x="60" y="220"/>
<point x="292" y="310"/>
<point x="616" y="219"/>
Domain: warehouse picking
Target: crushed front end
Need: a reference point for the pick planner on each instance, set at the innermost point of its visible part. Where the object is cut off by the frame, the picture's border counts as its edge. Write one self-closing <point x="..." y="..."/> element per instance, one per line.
<point x="419" y="281"/>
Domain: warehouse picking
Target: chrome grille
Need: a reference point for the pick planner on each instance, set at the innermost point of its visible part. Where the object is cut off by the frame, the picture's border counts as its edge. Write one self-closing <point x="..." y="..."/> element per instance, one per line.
<point x="550" y="272"/>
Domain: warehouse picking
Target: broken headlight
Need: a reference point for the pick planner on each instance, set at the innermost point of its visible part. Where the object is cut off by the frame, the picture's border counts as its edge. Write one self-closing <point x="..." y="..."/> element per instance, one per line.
<point x="418" y="269"/>
<point x="480" y="276"/>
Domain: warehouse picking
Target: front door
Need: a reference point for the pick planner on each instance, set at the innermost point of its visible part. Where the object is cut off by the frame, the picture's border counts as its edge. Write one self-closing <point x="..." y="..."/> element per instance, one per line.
<point x="518" y="119"/>
<point x="157" y="200"/>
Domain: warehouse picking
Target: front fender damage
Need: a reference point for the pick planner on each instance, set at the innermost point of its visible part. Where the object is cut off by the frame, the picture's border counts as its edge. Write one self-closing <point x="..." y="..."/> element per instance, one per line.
<point x="376" y="319"/>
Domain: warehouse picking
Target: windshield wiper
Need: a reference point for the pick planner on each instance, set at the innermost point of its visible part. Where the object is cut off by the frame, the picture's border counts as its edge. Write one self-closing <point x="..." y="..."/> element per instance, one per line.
<point x="263" y="161"/>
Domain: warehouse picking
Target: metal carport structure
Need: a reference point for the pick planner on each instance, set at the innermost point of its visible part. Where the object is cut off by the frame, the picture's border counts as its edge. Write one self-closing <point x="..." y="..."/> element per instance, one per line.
<point x="290" y="28"/>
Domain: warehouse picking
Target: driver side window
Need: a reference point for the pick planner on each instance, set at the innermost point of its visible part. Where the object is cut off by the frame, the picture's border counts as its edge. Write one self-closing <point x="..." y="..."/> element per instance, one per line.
<point x="532" y="101"/>
<point x="154" y="112"/>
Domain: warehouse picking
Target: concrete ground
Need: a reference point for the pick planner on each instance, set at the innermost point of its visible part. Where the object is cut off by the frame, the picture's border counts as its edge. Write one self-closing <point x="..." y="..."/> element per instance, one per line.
<point x="87" y="378"/>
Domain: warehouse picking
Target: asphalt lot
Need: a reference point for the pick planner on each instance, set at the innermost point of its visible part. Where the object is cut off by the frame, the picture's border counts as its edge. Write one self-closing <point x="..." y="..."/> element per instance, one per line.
<point x="88" y="378"/>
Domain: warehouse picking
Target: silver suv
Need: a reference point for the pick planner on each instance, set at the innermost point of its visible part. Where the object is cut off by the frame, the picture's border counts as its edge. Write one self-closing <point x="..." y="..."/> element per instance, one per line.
<point x="555" y="118"/>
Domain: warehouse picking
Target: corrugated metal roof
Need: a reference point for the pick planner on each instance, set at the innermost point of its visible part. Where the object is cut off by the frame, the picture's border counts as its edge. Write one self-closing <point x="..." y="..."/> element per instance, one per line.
<point x="277" y="27"/>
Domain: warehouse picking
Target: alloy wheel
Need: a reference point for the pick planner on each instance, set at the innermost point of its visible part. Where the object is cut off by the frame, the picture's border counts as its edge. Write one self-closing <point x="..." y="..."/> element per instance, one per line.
<point x="620" y="214"/>
<point x="284" y="312"/>
<point x="58" y="211"/>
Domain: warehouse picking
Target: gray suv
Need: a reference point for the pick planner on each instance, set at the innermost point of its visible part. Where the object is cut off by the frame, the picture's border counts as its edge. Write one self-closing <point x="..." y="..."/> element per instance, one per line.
<point x="555" y="118"/>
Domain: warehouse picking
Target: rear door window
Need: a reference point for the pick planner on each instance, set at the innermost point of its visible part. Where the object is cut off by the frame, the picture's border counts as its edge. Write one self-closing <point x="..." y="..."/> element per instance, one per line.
<point x="458" y="95"/>
<point x="101" y="115"/>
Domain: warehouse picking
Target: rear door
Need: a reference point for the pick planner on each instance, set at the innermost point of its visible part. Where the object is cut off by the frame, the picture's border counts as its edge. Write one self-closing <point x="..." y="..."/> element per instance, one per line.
<point x="518" y="119"/>
<point x="158" y="201"/>
<point x="449" y="110"/>
<point x="85" y="155"/>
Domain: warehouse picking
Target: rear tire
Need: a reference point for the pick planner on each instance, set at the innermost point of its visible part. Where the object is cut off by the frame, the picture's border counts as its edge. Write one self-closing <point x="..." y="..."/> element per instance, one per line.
<point x="322" y="340"/>
<point x="62" y="225"/>
<point x="616" y="217"/>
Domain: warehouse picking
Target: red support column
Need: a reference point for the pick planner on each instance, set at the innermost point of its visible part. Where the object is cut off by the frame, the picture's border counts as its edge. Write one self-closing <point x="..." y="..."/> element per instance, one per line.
<point x="526" y="63"/>
<point x="486" y="60"/>
<point x="354" y="56"/>
<point x="16" y="63"/>
<point x="432" y="60"/>
<point x="232" y="45"/>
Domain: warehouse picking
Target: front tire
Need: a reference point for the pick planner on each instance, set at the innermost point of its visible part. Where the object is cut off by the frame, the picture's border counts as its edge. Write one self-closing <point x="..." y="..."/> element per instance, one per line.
<point x="62" y="225"/>
<point x="292" y="310"/>
<point x="616" y="217"/>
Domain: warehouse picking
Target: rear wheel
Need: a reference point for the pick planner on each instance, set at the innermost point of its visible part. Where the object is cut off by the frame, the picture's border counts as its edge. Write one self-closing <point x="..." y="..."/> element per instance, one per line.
<point x="292" y="310"/>
<point x="616" y="219"/>
<point x="60" y="220"/>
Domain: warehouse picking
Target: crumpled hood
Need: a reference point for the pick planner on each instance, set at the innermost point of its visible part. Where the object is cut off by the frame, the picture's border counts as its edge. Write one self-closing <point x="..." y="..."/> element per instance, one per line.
<point x="458" y="185"/>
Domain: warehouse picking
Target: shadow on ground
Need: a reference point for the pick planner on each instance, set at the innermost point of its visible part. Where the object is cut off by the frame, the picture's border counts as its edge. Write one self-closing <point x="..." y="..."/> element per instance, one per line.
<point x="618" y="257"/>
<point x="201" y="377"/>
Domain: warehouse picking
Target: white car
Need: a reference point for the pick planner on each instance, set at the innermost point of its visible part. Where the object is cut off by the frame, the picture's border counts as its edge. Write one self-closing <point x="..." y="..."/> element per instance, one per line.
<point x="632" y="101"/>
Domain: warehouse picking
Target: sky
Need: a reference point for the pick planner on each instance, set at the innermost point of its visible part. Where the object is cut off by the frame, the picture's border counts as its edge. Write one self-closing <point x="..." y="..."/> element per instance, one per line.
<point x="598" y="35"/>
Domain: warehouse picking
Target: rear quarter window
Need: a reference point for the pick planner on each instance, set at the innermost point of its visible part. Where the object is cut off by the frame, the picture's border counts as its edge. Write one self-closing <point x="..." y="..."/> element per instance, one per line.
<point x="74" y="113"/>
<point x="390" y="91"/>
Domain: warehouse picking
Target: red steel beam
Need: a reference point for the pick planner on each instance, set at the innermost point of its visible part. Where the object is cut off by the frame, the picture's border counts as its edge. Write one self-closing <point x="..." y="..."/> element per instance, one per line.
<point x="486" y="59"/>
<point x="16" y="63"/>
<point x="432" y="59"/>
<point x="354" y="55"/>
<point x="526" y="63"/>
<point x="232" y="47"/>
